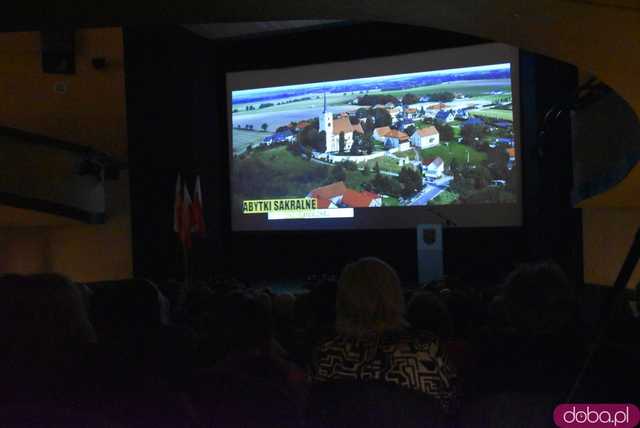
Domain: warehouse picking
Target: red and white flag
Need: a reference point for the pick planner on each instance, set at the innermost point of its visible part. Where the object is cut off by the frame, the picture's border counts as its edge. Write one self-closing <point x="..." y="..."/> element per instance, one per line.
<point x="177" y="207"/>
<point x="186" y="219"/>
<point x="198" y="210"/>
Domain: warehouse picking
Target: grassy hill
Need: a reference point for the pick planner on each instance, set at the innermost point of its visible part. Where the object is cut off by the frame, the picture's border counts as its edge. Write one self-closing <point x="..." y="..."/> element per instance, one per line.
<point x="276" y="173"/>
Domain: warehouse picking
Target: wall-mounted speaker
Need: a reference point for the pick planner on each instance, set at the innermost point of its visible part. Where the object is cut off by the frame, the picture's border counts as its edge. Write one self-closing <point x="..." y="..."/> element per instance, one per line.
<point x="606" y="140"/>
<point x="58" y="51"/>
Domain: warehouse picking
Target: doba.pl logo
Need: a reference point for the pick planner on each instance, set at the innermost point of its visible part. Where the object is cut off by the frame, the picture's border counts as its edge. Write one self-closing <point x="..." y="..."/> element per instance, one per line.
<point x="596" y="415"/>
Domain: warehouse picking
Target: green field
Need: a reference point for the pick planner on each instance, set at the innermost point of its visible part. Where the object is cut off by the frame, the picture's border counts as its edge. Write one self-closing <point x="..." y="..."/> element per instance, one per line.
<point x="492" y="195"/>
<point x="410" y="154"/>
<point x="386" y="164"/>
<point x="445" y="198"/>
<point x="297" y="105"/>
<point x="243" y="138"/>
<point x="455" y="151"/>
<point x="490" y="98"/>
<point x="472" y="88"/>
<point x="493" y="114"/>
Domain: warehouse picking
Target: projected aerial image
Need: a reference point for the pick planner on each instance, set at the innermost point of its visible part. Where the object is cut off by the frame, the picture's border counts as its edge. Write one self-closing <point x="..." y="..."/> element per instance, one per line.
<point x="433" y="138"/>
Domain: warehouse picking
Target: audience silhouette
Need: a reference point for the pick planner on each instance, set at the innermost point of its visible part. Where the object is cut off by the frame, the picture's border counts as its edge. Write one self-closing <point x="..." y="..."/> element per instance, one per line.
<point x="337" y="353"/>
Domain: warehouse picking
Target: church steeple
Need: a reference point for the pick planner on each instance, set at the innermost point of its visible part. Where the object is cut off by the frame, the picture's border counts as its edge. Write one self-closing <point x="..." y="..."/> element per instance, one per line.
<point x="326" y="124"/>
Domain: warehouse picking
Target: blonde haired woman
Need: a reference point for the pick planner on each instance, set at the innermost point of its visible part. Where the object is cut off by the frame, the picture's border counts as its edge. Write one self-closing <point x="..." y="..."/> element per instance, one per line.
<point x="372" y="343"/>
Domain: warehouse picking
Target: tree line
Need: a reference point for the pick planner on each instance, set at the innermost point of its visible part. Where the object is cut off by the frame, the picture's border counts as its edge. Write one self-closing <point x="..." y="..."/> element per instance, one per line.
<point x="370" y="100"/>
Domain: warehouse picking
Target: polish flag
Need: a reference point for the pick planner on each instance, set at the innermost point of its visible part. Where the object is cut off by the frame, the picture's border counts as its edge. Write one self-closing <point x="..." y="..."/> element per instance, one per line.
<point x="197" y="210"/>
<point x="177" y="207"/>
<point x="186" y="219"/>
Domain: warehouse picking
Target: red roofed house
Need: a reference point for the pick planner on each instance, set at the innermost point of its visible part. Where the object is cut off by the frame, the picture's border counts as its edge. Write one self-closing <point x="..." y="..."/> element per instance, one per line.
<point x="329" y="196"/>
<point x="325" y="203"/>
<point x="397" y="139"/>
<point x="354" y="199"/>
<point x="435" y="168"/>
<point x="425" y="138"/>
<point x="427" y="161"/>
<point x="376" y="200"/>
<point x="439" y="106"/>
<point x="337" y="194"/>
<point x="380" y="134"/>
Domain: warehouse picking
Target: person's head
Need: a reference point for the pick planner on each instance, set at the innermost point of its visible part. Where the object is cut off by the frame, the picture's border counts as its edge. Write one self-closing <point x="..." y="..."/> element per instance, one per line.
<point x="426" y="311"/>
<point x="264" y="298"/>
<point x="247" y="323"/>
<point x="123" y="309"/>
<point x="319" y="305"/>
<point x="284" y="306"/>
<point x="539" y="298"/>
<point x="42" y="318"/>
<point x="463" y="308"/>
<point x="369" y="298"/>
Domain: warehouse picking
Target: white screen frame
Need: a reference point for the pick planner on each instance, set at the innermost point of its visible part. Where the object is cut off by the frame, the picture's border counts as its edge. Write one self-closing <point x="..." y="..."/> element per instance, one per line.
<point x="476" y="215"/>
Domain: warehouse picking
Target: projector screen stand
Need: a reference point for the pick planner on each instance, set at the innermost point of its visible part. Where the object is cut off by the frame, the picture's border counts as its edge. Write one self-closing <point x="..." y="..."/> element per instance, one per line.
<point x="430" y="253"/>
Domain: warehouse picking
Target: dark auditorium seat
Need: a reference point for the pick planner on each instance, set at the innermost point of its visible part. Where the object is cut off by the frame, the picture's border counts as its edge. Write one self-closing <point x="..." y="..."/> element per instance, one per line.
<point x="381" y="405"/>
<point x="510" y="410"/>
<point x="224" y="399"/>
<point x="49" y="415"/>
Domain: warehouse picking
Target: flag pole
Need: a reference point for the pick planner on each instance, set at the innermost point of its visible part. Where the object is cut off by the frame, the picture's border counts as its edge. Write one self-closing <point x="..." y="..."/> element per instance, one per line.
<point x="185" y="234"/>
<point x="199" y="229"/>
<point x="187" y="277"/>
<point x="177" y="228"/>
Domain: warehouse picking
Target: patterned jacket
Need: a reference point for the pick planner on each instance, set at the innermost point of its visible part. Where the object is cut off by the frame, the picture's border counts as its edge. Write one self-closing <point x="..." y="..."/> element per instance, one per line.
<point x="413" y="360"/>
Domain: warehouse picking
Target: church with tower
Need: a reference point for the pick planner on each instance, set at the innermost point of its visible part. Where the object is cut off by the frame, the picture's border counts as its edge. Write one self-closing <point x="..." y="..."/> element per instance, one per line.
<point x="334" y="127"/>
